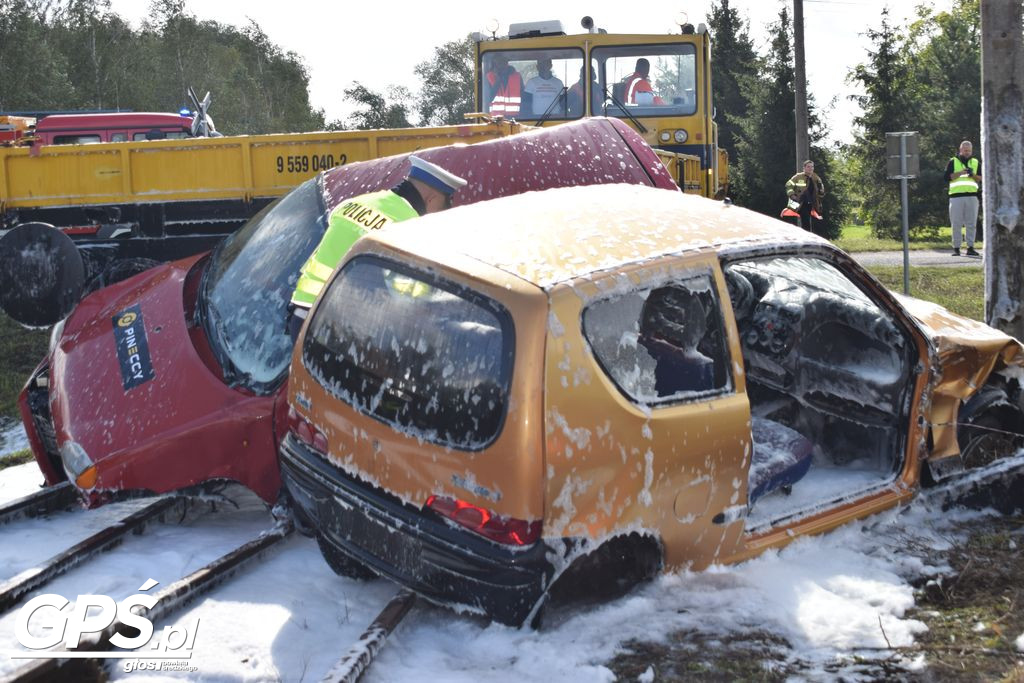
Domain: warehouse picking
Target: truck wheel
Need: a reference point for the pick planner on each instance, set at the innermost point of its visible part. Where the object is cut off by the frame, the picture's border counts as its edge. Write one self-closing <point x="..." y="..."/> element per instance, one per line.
<point x="342" y="564"/>
<point x="41" y="274"/>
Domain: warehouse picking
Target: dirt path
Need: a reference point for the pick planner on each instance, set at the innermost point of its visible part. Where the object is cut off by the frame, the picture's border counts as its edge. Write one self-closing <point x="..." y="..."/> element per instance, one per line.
<point x="918" y="257"/>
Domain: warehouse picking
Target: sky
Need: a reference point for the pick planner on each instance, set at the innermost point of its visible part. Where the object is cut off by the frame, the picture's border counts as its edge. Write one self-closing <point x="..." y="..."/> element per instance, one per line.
<point x="380" y="45"/>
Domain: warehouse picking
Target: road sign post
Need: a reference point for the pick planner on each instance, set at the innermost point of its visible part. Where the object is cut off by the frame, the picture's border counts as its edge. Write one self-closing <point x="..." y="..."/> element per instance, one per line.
<point x="903" y="162"/>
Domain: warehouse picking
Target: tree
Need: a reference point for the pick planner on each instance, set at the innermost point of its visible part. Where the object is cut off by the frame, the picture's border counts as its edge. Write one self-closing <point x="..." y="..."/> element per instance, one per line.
<point x="447" y="78"/>
<point x="735" y="62"/>
<point x="765" y="152"/>
<point x="765" y="156"/>
<point x="33" y="74"/>
<point x="97" y="47"/>
<point x="375" y="111"/>
<point x="944" y="60"/>
<point x="887" y="106"/>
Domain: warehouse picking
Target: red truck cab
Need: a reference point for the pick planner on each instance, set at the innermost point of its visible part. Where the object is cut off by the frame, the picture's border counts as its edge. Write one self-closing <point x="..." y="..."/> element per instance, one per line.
<point x="64" y="129"/>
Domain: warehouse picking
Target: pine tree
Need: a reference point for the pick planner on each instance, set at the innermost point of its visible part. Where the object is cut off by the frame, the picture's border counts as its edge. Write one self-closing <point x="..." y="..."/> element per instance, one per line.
<point x="765" y="153"/>
<point x="945" y="64"/>
<point x="734" y="60"/>
<point x="886" y="107"/>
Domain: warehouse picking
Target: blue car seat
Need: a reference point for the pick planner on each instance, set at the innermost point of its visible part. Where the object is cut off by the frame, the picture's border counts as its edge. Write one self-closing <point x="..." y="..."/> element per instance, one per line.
<point x="782" y="456"/>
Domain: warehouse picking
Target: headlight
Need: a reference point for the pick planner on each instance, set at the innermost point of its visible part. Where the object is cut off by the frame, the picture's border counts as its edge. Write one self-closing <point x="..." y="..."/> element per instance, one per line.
<point x="680" y="136"/>
<point x="55" y="334"/>
<point x="78" y="465"/>
<point x="665" y="136"/>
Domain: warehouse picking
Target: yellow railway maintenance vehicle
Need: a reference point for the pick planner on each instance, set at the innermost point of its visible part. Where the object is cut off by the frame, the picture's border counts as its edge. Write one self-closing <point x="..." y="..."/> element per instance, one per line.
<point x="659" y="84"/>
<point x="181" y="196"/>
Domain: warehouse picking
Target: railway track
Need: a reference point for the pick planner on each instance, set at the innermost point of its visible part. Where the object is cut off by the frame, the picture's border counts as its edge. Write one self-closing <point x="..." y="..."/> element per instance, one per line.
<point x="95" y="652"/>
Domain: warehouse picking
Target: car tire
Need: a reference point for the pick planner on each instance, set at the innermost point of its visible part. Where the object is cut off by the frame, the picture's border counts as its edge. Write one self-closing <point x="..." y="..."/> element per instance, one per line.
<point x="610" y="571"/>
<point x="985" y="437"/>
<point x="342" y="564"/>
<point x="990" y="435"/>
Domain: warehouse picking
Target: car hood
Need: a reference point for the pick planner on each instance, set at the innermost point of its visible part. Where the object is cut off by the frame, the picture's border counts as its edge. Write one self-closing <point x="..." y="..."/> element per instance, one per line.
<point x="128" y="385"/>
<point x="967" y="350"/>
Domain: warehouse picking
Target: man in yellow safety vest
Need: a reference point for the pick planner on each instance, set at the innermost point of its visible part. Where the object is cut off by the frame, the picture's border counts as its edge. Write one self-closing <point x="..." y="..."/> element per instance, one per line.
<point x="963" y="173"/>
<point x="427" y="188"/>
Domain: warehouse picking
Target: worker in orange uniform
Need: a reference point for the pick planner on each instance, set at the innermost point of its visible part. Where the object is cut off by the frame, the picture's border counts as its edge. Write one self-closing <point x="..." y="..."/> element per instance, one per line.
<point x="506" y="86"/>
<point x="638" y="86"/>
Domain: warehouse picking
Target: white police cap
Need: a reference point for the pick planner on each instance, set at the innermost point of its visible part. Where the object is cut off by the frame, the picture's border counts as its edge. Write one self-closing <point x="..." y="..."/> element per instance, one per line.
<point x="434" y="176"/>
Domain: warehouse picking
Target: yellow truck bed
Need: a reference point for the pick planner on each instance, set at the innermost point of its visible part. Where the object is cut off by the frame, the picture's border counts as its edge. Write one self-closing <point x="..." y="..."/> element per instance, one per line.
<point x="241" y="167"/>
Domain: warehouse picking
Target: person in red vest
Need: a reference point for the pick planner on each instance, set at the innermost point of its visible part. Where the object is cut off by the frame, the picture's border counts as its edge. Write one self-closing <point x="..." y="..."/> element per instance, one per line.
<point x="638" y="86"/>
<point x="506" y="85"/>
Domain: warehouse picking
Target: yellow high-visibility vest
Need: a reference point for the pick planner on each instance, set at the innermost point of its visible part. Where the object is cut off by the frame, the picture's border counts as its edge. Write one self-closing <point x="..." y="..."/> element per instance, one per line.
<point x="349" y="221"/>
<point x="964" y="184"/>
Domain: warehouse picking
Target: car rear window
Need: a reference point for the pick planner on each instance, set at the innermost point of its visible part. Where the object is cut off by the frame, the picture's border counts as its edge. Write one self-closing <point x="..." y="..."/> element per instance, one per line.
<point x="417" y="352"/>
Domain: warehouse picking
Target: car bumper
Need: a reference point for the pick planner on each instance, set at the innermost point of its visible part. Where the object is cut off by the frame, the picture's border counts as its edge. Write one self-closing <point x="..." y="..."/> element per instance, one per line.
<point x="414" y="548"/>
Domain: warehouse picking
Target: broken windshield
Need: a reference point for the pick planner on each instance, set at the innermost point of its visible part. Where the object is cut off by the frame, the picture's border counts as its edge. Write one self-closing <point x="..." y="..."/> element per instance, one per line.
<point x="250" y="281"/>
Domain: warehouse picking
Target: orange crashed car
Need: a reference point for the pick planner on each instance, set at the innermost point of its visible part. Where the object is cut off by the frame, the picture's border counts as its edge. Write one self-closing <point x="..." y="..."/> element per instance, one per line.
<point x="565" y="392"/>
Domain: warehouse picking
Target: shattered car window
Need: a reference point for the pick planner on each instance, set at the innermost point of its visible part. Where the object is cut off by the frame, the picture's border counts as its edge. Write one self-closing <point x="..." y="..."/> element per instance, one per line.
<point x="250" y="281"/>
<point x="662" y="344"/>
<point x="415" y="352"/>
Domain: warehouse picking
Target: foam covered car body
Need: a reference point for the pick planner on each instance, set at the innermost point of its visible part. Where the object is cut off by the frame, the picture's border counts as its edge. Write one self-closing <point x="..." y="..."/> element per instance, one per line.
<point x="563" y="392"/>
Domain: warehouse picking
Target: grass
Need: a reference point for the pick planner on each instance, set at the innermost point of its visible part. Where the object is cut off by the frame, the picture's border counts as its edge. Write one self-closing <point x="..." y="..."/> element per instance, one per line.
<point x="961" y="290"/>
<point x="974" y="614"/>
<point x="21" y="350"/>
<point x="17" y="458"/>
<point x="854" y="238"/>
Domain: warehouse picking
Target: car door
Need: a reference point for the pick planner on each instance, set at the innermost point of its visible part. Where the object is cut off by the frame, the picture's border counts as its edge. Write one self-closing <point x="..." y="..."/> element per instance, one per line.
<point x="647" y="423"/>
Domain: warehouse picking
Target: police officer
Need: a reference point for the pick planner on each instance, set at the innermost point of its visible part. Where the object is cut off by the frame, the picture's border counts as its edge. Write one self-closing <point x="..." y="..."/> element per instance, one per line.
<point x="963" y="173"/>
<point x="426" y="189"/>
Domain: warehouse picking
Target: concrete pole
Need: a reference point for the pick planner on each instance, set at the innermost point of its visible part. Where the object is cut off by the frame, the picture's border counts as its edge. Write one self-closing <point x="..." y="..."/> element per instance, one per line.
<point x="803" y="145"/>
<point x="1002" y="140"/>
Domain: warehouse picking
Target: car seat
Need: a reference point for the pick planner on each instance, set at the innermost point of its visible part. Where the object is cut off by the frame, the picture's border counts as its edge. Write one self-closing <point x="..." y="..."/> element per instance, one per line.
<point x="672" y="324"/>
<point x="782" y="456"/>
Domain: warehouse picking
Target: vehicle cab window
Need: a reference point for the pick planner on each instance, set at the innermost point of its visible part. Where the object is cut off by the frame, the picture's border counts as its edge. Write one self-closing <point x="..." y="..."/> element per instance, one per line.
<point x="75" y="139"/>
<point x="648" y="80"/>
<point x="663" y="344"/>
<point x="532" y="84"/>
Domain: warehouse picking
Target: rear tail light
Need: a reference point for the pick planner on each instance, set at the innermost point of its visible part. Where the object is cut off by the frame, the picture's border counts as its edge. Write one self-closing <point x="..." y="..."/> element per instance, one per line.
<point x="497" y="528"/>
<point x="305" y="432"/>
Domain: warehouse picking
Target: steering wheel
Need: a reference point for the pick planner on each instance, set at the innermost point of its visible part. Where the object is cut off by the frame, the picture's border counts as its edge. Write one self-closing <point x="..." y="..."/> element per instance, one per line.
<point x="741" y="294"/>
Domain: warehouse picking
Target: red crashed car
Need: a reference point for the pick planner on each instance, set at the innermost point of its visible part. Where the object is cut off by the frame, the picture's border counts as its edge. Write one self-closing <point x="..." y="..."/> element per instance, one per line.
<point x="176" y="377"/>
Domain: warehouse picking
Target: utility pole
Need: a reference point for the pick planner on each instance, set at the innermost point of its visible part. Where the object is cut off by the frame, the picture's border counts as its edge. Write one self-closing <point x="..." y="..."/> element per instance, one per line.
<point x="1002" y="140"/>
<point x="803" y="145"/>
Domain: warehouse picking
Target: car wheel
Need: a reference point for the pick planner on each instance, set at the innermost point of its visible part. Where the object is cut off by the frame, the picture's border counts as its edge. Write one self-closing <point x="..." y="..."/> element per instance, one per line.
<point x="341" y="563"/>
<point x="985" y="438"/>
<point x="992" y="435"/>
<point x="610" y="571"/>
